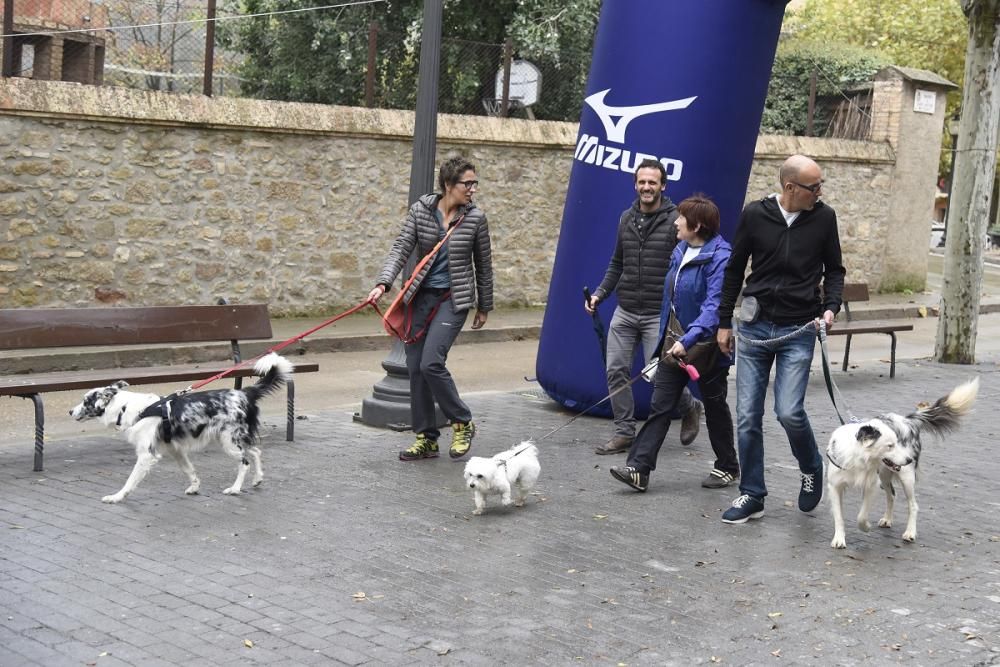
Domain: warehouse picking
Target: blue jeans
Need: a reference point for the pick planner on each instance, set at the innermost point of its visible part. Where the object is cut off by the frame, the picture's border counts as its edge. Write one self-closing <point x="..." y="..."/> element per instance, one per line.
<point x="792" y="360"/>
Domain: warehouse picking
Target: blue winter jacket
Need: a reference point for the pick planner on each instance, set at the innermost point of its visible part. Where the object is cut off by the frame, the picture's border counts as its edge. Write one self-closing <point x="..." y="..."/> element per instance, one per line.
<point x="697" y="293"/>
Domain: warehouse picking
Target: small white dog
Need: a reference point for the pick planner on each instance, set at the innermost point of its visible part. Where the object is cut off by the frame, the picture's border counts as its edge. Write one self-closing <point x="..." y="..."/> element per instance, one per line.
<point x="887" y="449"/>
<point x="510" y="474"/>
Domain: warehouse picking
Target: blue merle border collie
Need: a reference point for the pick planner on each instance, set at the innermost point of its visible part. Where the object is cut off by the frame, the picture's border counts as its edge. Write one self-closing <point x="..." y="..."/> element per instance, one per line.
<point x="884" y="450"/>
<point x="186" y="423"/>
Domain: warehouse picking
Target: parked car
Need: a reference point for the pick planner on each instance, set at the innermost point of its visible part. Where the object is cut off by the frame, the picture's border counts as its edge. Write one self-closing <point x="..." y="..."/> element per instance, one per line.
<point x="937" y="237"/>
<point x="937" y="234"/>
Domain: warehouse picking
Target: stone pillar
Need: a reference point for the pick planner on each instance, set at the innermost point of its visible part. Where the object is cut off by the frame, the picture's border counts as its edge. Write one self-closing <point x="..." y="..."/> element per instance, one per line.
<point x="908" y="112"/>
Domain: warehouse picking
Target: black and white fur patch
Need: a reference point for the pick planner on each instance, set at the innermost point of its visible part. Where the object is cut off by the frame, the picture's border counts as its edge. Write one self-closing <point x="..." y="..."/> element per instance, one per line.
<point x="886" y="450"/>
<point x="185" y="423"/>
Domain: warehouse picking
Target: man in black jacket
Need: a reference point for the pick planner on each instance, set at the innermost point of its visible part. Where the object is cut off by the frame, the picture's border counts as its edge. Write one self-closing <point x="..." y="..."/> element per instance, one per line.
<point x="794" y="245"/>
<point x="646" y="237"/>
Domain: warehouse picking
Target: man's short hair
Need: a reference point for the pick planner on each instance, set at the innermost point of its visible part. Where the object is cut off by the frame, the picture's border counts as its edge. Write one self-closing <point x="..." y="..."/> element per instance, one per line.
<point x="698" y="209"/>
<point x="452" y="170"/>
<point x="650" y="163"/>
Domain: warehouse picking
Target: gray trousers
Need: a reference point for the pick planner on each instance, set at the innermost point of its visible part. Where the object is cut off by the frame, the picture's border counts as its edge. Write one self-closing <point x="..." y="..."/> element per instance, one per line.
<point x="430" y="380"/>
<point x="626" y="332"/>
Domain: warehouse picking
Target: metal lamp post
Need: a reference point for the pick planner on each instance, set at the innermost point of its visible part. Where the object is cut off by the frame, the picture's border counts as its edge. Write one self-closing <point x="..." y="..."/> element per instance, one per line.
<point x="389" y="404"/>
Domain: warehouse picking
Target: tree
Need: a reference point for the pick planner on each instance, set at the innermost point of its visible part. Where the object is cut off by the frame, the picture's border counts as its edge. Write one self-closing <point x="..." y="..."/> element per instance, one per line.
<point x="972" y="188"/>
<point x="926" y="34"/>
<point x="163" y="56"/>
<point x="321" y="56"/>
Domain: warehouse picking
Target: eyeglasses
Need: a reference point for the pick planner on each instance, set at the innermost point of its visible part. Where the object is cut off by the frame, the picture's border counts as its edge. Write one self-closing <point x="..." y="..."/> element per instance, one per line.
<point x="814" y="188"/>
<point x="468" y="185"/>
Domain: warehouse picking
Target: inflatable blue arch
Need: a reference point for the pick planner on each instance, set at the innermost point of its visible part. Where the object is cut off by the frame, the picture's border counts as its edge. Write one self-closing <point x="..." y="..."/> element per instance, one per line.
<point x="681" y="81"/>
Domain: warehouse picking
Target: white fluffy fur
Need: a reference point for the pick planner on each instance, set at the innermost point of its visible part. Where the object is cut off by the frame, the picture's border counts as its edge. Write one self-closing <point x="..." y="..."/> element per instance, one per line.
<point x="510" y="474"/>
<point x="887" y="449"/>
<point x="227" y="417"/>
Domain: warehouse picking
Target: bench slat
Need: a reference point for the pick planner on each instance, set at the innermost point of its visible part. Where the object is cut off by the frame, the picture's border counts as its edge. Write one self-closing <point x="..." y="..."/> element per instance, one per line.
<point x="38" y="383"/>
<point x="32" y="328"/>
<point x="868" y="326"/>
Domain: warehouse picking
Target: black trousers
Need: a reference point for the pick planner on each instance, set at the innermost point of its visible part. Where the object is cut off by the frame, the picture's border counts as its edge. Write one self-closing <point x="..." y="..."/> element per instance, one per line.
<point x="667" y="387"/>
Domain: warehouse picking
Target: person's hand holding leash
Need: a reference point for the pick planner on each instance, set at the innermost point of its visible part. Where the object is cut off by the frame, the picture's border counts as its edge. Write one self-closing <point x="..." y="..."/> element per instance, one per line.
<point x="678" y="351"/>
<point x="590" y="305"/>
<point x="725" y="339"/>
<point x="827" y="317"/>
<point x="376" y="293"/>
<point x="480" y="319"/>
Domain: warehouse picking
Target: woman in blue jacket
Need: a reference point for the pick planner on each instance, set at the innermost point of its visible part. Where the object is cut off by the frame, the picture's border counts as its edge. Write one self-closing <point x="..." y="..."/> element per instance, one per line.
<point x="692" y="292"/>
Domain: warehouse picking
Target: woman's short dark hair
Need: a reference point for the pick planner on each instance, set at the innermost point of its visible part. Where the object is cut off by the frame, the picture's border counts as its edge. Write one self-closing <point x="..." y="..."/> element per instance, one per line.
<point x="452" y="170"/>
<point x="698" y="209"/>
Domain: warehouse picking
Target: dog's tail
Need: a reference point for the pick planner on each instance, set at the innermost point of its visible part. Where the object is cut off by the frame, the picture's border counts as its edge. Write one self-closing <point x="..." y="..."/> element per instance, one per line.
<point x="274" y="370"/>
<point x="943" y="415"/>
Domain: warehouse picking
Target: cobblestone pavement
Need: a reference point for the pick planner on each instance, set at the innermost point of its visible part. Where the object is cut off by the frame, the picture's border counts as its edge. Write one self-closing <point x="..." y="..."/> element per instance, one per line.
<point x="347" y="556"/>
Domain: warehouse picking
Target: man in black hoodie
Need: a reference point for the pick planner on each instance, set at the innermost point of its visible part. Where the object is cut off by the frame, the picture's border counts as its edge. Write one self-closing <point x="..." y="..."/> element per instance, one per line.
<point x="794" y="245"/>
<point x="646" y="237"/>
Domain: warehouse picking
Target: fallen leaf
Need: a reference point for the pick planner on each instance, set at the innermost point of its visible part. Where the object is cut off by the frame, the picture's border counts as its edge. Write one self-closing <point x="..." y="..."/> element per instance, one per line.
<point x="600" y="516"/>
<point x="444" y="651"/>
<point x="703" y="563"/>
<point x="922" y="310"/>
<point x="570" y="571"/>
<point x="896" y="647"/>
<point x="715" y="658"/>
<point x="14" y="526"/>
<point x="777" y="653"/>
<point x="248" y="643"/>
<point x="971" y="635"/>
<point x="102" y="654"/>
<point x="359" y="596"/>
<point x="608" y="601"/>
<point x="774" y="614"/>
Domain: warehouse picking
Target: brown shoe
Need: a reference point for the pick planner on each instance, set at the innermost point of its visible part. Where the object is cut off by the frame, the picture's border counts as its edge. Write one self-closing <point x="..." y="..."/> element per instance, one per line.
<point x="691" y="422"/>
<point x="615" y="445"/>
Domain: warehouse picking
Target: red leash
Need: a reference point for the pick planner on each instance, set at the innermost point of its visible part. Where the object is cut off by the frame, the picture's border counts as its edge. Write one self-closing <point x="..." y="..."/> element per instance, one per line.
<point x="282" y="345"/>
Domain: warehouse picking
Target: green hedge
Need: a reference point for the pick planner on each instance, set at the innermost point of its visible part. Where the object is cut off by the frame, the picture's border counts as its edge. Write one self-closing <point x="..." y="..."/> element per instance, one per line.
<point x="838" y="67"/>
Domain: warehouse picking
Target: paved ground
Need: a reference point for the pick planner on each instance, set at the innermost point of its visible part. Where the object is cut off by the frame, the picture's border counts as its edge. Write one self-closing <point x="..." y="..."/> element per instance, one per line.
<point x="345" y="555"/>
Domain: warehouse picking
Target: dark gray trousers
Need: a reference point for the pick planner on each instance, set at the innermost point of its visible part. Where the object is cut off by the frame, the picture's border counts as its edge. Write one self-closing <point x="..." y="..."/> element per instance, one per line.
<point x="430" y="380"/>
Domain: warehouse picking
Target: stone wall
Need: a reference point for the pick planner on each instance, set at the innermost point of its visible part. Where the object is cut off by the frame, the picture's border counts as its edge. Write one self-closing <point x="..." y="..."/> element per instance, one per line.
<point x="137" y="198"/>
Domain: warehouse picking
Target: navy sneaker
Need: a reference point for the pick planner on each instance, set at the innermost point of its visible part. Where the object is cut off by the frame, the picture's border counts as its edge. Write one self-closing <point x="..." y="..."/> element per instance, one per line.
<point x="811" y="491"/>
<point x="744" y="508"/>
<point x="631" y="476"/>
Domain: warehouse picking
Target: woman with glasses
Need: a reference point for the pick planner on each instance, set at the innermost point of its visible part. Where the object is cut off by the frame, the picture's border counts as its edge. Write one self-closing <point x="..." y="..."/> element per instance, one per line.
<point x="457" y="278"/>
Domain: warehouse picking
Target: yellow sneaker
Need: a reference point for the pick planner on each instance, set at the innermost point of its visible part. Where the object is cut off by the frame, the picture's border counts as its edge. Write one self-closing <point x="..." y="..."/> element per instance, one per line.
<point x="461" y="439"/>
<point x="422" y="448"/>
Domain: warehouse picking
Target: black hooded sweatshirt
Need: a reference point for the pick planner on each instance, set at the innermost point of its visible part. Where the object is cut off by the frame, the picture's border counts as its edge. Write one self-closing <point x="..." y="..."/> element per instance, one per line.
<point x="641" y="258"/>
<point x="788" y="263"/>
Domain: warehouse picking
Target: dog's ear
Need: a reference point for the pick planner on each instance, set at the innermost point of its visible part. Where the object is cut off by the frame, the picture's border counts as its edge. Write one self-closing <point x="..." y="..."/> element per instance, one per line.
<point x="868" y="434"/>
<point x="121" y="384"/>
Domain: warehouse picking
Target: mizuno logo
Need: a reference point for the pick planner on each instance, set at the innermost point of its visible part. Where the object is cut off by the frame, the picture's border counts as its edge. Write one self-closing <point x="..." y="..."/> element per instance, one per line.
<point x="625" y="115"/>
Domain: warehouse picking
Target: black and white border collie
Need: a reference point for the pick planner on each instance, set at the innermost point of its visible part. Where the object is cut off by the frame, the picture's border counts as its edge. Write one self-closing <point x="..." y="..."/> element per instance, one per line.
<point x="887" y="449"/>
<point x="186" y="423"/>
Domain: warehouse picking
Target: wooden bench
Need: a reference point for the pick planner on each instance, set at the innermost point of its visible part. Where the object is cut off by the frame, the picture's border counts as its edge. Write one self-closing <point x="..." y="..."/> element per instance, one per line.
<point x="854" y="292"/>
<point x="35" y="328"/>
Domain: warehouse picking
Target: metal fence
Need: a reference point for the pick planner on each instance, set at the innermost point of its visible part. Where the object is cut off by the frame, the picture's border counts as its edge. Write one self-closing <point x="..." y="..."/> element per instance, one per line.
<point x="299" y="55"/>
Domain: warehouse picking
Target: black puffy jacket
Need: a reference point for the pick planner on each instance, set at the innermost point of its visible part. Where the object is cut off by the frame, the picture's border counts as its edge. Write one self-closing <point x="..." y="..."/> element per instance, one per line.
<point x="641" y="258"/>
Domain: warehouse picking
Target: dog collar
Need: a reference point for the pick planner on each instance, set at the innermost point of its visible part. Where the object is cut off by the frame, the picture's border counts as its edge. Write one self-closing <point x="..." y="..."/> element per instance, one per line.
<point x="121" y="413"/>
<point x="830" y="459"/>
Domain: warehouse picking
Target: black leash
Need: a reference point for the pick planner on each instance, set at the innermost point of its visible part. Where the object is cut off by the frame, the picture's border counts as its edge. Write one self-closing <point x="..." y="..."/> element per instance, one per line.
<point x="627" y="385"/>
<point x="831" y="387"/>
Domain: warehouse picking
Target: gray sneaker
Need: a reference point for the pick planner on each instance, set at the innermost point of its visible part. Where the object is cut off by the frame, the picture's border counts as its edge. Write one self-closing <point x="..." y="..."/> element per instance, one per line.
<point x="615" y="445"/>
<point x="691" y="422"/>
<point x="718" y="479"/>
